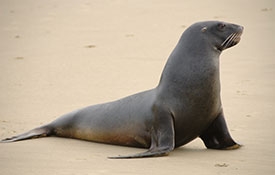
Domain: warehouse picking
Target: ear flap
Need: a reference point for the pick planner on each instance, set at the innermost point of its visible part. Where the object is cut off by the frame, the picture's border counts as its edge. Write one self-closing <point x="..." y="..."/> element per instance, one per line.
<point x="203" y="29"/>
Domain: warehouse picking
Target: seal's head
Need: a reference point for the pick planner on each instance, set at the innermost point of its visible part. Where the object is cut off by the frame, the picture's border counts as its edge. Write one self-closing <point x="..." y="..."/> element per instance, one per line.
<point x="214" y="34"/>
<point x="223" y="35"/>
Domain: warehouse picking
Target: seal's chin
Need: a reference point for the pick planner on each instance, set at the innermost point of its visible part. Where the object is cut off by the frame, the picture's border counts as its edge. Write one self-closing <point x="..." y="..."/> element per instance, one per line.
<point x="231" y="40"/>
<point x="235" y="41"/>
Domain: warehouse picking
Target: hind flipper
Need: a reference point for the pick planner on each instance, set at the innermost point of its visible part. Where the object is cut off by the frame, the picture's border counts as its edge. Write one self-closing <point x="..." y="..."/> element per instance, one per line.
<point x="34" y="133"/>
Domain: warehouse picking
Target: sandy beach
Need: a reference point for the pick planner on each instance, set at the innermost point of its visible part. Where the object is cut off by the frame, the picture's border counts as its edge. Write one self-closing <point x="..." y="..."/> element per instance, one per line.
<point x="57" y="56"/>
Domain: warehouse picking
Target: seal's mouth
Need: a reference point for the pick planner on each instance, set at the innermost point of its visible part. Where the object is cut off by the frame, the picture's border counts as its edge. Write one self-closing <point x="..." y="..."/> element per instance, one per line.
<point x="231" y="40"/>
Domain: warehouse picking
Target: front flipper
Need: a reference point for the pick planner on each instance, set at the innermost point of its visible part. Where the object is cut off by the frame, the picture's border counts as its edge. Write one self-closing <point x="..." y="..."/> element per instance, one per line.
<point x="149" y="153"/>
<point x="162" y="136"/>
<point x="217" y="136"/>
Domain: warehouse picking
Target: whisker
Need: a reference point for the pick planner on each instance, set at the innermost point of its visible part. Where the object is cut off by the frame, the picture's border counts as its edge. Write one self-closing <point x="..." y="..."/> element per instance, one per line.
<point x="238" y="34"/>
<point x="226" y="39"/>
<point x="230" y="40"/>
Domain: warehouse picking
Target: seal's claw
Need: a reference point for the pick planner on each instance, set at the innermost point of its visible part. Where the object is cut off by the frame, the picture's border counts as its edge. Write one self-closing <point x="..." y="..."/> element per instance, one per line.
<point x="236" y="146"/>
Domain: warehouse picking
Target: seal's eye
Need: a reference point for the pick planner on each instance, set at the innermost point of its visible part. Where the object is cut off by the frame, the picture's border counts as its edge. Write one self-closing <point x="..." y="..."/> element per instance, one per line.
<point x="221" y="26"/>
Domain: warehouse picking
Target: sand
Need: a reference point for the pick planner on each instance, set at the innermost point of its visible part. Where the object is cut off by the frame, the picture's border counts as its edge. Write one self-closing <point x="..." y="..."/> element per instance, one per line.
<point x="57" y="56"/>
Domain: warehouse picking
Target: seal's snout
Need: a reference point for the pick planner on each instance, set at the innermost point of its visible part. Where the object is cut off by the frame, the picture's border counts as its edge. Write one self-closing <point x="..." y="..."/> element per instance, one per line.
<point x="237" y="37"/>
<point x="233" y="38"/>
<point x="240" y="29"/>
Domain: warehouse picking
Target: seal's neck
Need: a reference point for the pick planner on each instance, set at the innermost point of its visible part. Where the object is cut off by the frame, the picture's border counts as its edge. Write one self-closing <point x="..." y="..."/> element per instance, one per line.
<point x="192" y="63"/>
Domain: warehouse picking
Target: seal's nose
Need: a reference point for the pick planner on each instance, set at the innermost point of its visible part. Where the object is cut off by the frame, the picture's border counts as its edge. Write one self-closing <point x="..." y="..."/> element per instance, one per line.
<point x="241" y="28"/>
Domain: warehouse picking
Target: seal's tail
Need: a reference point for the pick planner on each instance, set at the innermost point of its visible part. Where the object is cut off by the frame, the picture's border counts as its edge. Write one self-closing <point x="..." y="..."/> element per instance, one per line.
<point x="42" y="131"/>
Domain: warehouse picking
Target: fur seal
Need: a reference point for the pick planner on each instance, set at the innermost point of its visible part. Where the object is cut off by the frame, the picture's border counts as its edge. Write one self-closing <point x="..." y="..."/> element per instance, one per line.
<point x="185" y="105"/>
